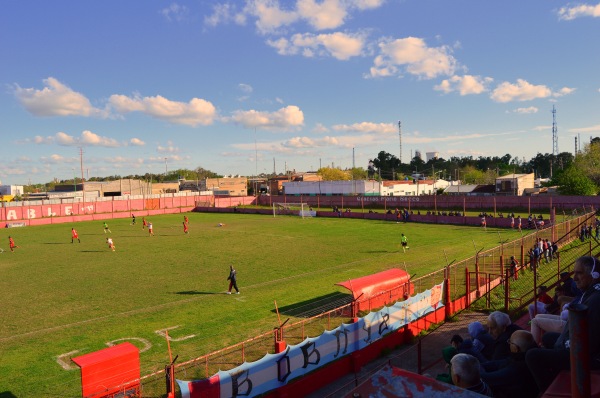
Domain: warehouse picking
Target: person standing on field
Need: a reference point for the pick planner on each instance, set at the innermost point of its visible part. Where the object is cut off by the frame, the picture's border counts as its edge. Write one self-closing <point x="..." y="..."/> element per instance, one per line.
<point x="74" y="235"/>
<point x="111" y="245"/>
<point x="150" y="229"/>
<point x="144" y="223"/>
<point x="185" y="227"/>
<point x="404" y="243"/>
<point x="106" y="228"/>
<point x="232" y="278"/>
<point x="132" y="219"/>
<point x="11" y="244"/>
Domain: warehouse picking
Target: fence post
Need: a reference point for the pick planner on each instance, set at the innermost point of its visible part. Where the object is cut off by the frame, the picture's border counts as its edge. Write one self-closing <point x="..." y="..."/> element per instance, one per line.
<point x="447" y="309"/>
<point x="468" y="288"/>
<point x="580" y="353"/>
<point x="506" y="290"/>
<point x="477" y="275"/>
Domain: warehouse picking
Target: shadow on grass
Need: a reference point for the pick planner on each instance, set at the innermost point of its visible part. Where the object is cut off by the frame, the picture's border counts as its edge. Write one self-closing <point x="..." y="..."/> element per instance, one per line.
<point x="7" y="394"/>
<point x="316" y="306"/>
<point x="197" y="292"/>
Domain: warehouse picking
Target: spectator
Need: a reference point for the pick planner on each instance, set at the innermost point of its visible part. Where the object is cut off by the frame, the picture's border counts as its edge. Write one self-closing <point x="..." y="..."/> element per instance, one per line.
<point x="512" y="378"/>
<point x="466" y="347"/>
<point x="482" y="341"/>
<point x="570" y="290"/>
<point x="464" y="369"/>
<point x="548" y="323"/>
<point x="545" y="364"/>
<point x="501" y="328"/>
<point x="543" y="300"/>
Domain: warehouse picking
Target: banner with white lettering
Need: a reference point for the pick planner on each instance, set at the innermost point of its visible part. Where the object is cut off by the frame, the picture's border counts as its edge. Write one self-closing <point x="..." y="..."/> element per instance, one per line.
<point x="275" y="370"/>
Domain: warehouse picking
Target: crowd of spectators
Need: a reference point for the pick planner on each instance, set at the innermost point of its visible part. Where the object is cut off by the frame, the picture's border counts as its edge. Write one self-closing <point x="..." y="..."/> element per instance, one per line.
<point x="501" y="359"/>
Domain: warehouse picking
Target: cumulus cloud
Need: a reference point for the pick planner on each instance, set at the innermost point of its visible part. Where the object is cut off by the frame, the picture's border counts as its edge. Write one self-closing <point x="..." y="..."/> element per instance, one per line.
<point x="580" y="10"/>
<point x="326" y="14"/>
<point x="367" y="127"/>
<point x="522" y="90"/>
<point x="87" y="138"/>
<point x="531" y="109"/>
<point x="288" y="118"/>
<point x="414" y="56"/>
<point x="270" y="16"/>
<point x="320" y="129"/>
<point x="56" y="99"/>
<point x="175" y="12"/>
<point x="136" y="142"/>
<point x="563" y="91"/>
<point x="170" y="148"/>
<point x="465" y="85"/>
<point x="339" y="45"/>
<point x="193" y="113"/>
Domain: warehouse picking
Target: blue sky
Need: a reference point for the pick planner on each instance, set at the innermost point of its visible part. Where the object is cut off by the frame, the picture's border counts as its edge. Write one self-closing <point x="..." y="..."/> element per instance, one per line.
<point x="243" y="87"/>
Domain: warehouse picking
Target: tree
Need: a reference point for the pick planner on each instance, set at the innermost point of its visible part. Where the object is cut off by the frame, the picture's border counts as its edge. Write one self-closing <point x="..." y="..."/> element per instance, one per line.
<point x="573" y="181"/>
<point x="333" y="174"/>
<point x="358" y="173"/>
<point x="386" y="165"/>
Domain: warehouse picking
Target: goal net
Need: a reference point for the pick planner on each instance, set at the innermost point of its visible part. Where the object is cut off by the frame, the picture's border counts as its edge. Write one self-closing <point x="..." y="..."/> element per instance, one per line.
<point x="293" y="209"/>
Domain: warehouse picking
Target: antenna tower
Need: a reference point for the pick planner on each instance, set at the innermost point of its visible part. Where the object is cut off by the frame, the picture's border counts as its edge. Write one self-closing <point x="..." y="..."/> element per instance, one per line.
<point x="554" y="133"/>
<point x="400" y="137"/>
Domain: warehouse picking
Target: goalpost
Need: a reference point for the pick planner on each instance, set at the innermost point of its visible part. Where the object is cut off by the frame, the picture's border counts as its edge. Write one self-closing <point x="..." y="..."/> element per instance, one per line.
<point x="293" y="209"/>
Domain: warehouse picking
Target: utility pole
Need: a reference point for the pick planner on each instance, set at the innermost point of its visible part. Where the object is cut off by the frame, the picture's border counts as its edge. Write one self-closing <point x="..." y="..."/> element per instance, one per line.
<point x="400" y="139"/>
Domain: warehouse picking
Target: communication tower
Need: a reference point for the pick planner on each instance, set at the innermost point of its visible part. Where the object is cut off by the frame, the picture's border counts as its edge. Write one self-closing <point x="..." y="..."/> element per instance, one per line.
<point x="400" y="137"/>
<point x="554" y="133"/>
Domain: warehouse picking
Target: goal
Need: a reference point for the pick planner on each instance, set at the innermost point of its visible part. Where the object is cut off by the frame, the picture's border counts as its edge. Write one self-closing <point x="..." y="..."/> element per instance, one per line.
<point x="293" y="209"/>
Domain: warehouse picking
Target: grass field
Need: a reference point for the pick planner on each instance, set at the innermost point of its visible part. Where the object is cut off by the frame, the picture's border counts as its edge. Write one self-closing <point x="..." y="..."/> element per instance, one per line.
<point x="62" y="299"/>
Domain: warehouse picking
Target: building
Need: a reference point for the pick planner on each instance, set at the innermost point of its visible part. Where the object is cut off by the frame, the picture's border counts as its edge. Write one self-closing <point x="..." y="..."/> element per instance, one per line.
<point x="345" y="187"/>
<point x="514" y="184"/>
<point x="432" y="155"/>
<point x="469" y="190"/>
<point x="11" y="190"/>
<point x="232" y="186"/>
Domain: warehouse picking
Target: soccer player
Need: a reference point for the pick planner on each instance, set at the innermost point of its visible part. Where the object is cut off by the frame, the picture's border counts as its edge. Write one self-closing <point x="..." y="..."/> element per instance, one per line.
<point x="144" y="223"/>
<point x="106" y="228"/>
<point x="132" y="219"/>
<point x="185" y="227"/>
<point x="11" y="244"/>
<point x="232" y="278"/>
<point x="111" y="245"/>
<point x="483" y="222"/>
<point x="150" y="230"/>
<point x="404" y="243"/>
<point x="74" y="235"/>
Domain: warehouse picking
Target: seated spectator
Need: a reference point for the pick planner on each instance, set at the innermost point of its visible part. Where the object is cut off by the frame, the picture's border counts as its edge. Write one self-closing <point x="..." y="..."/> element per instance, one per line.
<point x="512" y="378"/>
<point x="570" y="290"/>
<point x="543" y="300"/>
<point x="465" y="373"/>
<point x="549" y="323"/>
<point x="501" y="328"/>
<point x="482" y="341"/>
<point x="545" y="364"/>
<point x="466" y="347"/>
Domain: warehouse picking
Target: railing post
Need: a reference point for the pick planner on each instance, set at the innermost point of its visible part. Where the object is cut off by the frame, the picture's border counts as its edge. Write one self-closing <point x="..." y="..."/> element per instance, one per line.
<point x="506" y="290"/>
<point x="448" y="310"/>
<point x="468" y="288"/>
<point x="477" y="275"/>
<point x="580" y="353"/>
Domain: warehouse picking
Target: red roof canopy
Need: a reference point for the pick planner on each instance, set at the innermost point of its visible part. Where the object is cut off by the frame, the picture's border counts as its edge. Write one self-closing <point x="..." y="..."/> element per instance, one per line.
<point x="374" y="284"/>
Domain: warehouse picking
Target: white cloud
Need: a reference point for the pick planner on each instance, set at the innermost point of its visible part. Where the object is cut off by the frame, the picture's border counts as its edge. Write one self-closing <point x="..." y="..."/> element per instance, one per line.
<point x="269" y="15"/>
<point x="531" y="109"/>
<point x="520" y="91"/>
<point x="136" y="142"/>
<point x="581" y="10"/>
<point x="320" y="129"/>
<point x="368" y="127"/>
<point x="193" y="113"/>
<point x="341" y="46"/>
<point x="167" y="149"/>
<point x="413" y="54"/>
<point x="326" y="14"/>
<point x="563" y="91"/>
<point x="246" y="88"/>
<point x="465" y="85"/>
<point x="87" y="138"/>
<point x="175" y="12"/>
<point x="366" y="4"/>
<point x="56" y="99"/>
<point x="290" y="117"/>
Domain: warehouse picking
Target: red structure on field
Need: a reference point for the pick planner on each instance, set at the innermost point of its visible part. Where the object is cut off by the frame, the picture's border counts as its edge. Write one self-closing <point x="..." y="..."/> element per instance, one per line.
<point x="377" y="290"/>
<point x="111" y="371"/>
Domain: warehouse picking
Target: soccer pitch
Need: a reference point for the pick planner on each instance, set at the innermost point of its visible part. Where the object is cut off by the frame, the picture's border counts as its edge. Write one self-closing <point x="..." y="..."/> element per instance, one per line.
<point x="63" y="299"/>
